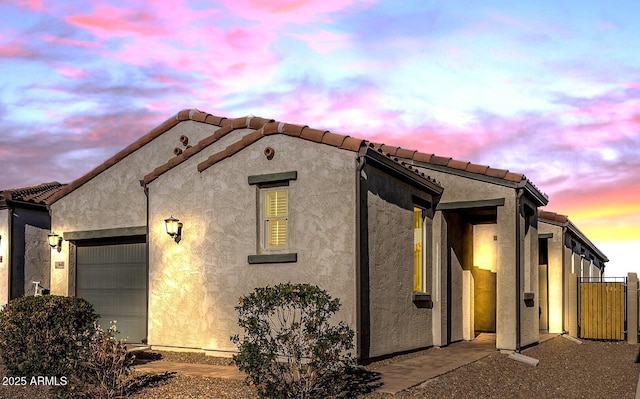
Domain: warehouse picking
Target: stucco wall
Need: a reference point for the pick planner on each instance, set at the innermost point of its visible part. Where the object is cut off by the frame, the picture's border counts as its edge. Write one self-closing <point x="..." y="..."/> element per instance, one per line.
<point x="396" y="322"/>
<point x="465" y="189"/>
<point x="555" y="278"/>
<point x="114" y="198"/>
<point x="4" y="253"/>
<point x="530" y="310"/>
<point x="37" y="258"/>
<point x="195" y="285"/>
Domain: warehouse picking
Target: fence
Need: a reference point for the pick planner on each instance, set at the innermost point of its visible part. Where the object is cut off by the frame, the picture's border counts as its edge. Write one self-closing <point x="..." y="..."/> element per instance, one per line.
<point x="602" y="308"/>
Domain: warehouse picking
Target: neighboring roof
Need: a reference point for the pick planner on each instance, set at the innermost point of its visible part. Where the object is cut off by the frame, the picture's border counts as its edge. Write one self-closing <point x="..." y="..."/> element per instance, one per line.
<point x="36" y="194"/>
<point x="563" y="221"/>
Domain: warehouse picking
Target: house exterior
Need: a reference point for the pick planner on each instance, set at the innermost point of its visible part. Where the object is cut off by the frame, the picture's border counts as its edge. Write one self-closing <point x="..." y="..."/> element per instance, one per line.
<point x="421" y="253"/>
<point x="565" y="254"/>
<point x="488" y="253"/>
<point x="24" y="225"/>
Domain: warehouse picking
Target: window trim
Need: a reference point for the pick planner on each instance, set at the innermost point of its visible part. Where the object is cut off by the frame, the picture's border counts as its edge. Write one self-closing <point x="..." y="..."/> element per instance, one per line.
<point x="264" y="253"/>
<point x="423" y="260"/>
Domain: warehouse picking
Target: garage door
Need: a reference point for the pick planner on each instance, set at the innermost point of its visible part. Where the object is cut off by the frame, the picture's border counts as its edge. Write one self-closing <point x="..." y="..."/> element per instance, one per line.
<point x="113" y="278"/>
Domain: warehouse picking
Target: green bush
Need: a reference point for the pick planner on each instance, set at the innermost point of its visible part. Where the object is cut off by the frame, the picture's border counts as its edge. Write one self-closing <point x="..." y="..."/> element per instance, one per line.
<point x="290" y="350"/>
<point x="45" y="335"/>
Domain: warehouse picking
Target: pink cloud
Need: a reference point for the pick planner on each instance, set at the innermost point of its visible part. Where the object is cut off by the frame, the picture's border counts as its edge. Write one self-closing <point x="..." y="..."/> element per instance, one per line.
<point x="108" y="21"/>
<point x="276" y="12"/>
<point x="13" y="50"/>
<point x="34" y="5"/>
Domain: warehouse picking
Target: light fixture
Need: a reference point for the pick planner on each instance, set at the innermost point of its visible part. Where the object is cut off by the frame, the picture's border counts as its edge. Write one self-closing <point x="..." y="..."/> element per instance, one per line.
<point x="55" y="241"/>
<point x="174" y="228"/>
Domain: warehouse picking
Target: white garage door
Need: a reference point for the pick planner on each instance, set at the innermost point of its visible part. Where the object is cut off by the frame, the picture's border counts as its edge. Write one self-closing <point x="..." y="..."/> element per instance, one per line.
<point x="113" y="278"/>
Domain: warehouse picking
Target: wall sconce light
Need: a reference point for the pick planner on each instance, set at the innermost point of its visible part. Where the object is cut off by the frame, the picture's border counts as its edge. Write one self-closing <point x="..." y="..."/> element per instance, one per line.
<point x="174" y="228"/>
<point x="55" y="241"/>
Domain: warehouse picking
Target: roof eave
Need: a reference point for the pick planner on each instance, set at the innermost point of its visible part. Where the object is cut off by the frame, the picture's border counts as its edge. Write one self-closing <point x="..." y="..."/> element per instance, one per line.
<point x="412" y="177"/>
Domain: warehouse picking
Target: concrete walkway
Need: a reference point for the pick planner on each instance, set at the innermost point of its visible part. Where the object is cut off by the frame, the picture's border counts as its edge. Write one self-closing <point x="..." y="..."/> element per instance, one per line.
<point x="405" y="374"/>
<point x="394" y="377"/>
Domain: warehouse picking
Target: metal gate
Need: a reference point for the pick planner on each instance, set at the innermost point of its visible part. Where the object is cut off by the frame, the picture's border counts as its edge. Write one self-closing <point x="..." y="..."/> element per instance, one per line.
<point x="602" y="308"/>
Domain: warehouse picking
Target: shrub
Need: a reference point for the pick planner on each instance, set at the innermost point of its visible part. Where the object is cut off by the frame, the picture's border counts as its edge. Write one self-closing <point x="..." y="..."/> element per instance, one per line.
<point x="290" y="350"/>
<point x="45" y="335"/>
<point x="105" y="367"/>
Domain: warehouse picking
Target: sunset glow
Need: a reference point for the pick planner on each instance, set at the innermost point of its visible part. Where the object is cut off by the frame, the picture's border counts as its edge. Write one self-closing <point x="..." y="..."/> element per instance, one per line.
<point x="548" y="89"/>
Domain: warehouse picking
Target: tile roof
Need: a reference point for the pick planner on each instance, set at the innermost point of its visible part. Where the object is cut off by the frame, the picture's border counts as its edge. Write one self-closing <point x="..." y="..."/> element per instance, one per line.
<point x="264" y="127"/>
<point x="552" y="216"/>
<point x="36" y="194"/>
<point x="563" y="220"/>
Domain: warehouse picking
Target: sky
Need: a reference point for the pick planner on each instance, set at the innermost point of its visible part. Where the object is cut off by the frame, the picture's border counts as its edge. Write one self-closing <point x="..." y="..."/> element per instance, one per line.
<point x="546" y="88"/>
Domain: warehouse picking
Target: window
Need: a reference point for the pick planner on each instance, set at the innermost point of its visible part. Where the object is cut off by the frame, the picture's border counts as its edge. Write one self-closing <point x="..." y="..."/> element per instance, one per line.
<point x="419" y="270"/>
<point x="274" y="238"/>
<point x="276" y="212"/>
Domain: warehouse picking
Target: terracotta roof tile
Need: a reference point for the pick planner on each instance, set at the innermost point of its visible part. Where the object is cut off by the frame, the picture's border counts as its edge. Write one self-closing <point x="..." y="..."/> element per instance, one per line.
<point x="404" y="153"/>
<point x="35" y="194"/>
<point x="454" y="163"/>
<point x="422" y="157"/>
<point x="556" y="217"/>
<point x="199" y="116"/>
<point x="375" y="146"/>
<point x="313" y="134"/>
<point x="515" y="177"/>
<point x="293" y="130"/>
<point x="389" y="149"/>
<point x="333" y="139"/>
<point x="475" y="168"/>
<point x="436" y="160"/>
<point x="352" y="144"/>
<point x="271" y="128"/>
<point x="493" y="172"/>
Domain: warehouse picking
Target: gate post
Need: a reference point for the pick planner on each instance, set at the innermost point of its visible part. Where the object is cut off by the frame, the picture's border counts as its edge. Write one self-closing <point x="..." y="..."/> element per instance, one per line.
<point x="632" y="308"/>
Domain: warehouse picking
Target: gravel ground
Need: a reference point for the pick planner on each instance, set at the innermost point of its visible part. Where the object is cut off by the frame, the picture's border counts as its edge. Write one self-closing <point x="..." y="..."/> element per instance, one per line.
<point x="566" y="370"/>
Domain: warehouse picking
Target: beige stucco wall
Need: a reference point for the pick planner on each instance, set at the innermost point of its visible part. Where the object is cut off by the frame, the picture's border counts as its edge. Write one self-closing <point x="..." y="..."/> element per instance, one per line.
<point x="555" y="246"/>
<point x="114" y="198"/>
<point x="530" y="310"/>
<point x="195" y="285"/>
<point x="464" y="189"/>
<point x="4" y="253"/>
<point x="396" y="323"/>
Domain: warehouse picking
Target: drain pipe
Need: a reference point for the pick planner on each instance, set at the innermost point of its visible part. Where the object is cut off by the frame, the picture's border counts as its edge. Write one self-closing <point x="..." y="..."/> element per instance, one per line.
<point x="520" y="191"/>
<point x="360" y="162"/>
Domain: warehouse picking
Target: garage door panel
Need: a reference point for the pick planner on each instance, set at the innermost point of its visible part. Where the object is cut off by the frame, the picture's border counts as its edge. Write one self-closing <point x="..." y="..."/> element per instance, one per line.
<point x="106" y="276"/>
<point x="113" y="278"/>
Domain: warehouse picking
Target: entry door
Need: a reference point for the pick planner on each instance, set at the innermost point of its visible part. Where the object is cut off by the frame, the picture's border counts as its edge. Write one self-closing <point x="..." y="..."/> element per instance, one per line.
<point x="113" y="278"/>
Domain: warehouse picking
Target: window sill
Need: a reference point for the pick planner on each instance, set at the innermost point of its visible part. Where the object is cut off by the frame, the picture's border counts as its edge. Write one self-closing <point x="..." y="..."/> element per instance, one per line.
<point x="272" y="258"/>
<point x="422" y="300"/>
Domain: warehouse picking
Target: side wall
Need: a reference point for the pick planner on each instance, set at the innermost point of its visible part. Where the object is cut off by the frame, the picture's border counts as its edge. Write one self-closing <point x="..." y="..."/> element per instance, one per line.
<point x="396" y="323"/>
<point x="556" y="275"/>
<point x="195" y="284"/>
